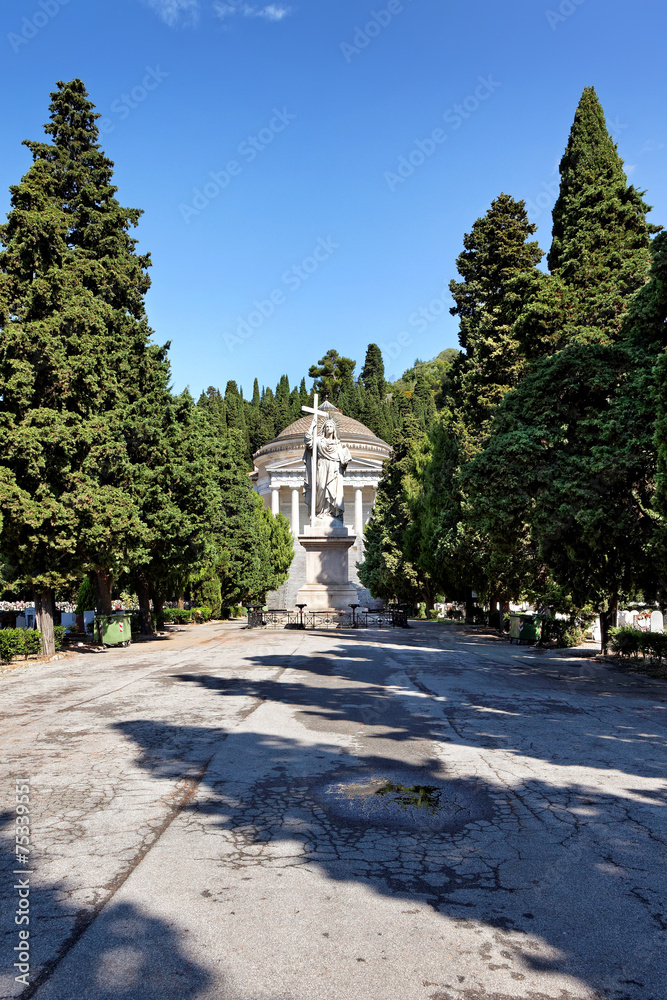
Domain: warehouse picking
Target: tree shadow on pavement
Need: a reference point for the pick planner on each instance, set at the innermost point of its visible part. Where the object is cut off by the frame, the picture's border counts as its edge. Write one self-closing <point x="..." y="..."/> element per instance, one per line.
<point x="565" y="874"/>
<point x="137" y="957"/>
<point x="532" y="862"/>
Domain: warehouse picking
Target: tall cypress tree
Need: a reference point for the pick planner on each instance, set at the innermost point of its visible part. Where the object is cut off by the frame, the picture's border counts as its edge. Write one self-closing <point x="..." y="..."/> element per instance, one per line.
<point x="567" y="472"/>
<point x="236" y="418"/>
<point x="600" y="245"/>
<point x="387" y="570"/>
<point x="372" y="405"/>
<point x="372" y="374"/>
<point x="498" y="268"/>
<point x="75" y="355"/>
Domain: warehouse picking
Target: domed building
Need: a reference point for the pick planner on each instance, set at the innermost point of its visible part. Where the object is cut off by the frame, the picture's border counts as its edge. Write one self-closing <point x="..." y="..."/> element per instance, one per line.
<point x="279" y="478"/>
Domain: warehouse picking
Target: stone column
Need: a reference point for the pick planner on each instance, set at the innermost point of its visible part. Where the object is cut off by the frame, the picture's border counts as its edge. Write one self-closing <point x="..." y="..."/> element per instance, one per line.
<point x="295" y="512"/>
<point x="359" y="513"/>
<point x="275" y="500"/>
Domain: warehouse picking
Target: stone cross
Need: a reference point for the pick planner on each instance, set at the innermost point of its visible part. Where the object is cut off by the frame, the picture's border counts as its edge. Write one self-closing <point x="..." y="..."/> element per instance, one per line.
<point x="313" y="468"/>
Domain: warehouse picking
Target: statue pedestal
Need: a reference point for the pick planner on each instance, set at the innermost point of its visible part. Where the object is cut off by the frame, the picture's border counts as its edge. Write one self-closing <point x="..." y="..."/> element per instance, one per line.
<point x="327" y="546"/>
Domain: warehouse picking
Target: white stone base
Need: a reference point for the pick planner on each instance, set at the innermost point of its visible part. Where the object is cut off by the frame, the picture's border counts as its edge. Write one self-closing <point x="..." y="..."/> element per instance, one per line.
<point x="327" y="585"/>
<point x="320" y="597"/>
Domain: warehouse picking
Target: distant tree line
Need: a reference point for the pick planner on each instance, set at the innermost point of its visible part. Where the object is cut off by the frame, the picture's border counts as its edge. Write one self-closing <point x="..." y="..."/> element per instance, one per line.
<point x="368" y="397"/>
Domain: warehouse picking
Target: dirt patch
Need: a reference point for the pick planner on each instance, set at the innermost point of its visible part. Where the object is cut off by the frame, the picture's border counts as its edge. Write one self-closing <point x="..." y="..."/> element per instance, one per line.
<point x="631" y="666"/>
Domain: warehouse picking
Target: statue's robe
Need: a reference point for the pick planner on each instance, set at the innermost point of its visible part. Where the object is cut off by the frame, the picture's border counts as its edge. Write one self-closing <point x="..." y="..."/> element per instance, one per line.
<point x="332" y="461"/>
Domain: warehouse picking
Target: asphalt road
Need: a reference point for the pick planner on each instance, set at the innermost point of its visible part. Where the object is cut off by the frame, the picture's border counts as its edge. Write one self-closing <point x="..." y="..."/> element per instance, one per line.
<point x="379" y="815"/>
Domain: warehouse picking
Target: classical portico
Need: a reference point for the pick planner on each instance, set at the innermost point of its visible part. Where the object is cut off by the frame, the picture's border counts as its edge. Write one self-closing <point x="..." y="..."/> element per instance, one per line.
<point x="279" y="479"/>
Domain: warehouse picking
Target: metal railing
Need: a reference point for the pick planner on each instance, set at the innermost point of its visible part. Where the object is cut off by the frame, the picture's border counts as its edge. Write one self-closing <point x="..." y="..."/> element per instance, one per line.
<point x="281" y="618"/>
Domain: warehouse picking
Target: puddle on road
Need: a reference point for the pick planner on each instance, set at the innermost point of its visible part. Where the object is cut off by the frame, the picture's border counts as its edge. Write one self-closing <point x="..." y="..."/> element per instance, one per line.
<point x="412" y="796"/>
<point x="396" y="801"/>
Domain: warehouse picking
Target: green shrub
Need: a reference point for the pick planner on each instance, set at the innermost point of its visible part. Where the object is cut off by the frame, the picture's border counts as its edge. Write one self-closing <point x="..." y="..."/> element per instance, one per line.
<point x="421" y="613"/>
<point x="25" y="642"/>
<point x="11" y="643"/>
<point x="176" y="616"/>
<point x="654" y="645"/>
<point x="626" y="640"/>
<point x="32" y="642"/>
<point x="201" y="615"/>
<point x="562" y="632"/>
<point x="573" y="636"/>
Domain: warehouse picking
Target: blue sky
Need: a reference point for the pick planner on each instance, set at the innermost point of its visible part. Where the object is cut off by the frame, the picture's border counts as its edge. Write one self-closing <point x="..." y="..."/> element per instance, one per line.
<point x="295" y="197"/>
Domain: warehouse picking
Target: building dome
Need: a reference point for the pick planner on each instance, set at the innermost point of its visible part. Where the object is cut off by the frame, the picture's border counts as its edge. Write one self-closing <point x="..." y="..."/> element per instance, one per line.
<point x="360" y="439"/>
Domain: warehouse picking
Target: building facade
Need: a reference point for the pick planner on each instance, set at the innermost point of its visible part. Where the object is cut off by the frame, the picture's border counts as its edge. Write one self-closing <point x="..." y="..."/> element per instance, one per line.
<point x="279" y="479"/>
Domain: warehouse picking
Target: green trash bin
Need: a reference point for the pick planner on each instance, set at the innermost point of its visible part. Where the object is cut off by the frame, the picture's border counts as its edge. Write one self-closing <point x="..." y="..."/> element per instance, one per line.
<point x="113" y="630"/>
<point x="525" y="628"/>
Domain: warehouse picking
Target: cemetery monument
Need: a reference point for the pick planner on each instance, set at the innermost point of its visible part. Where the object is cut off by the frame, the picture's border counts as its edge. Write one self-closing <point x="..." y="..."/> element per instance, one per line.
<point x="328" y="543"/>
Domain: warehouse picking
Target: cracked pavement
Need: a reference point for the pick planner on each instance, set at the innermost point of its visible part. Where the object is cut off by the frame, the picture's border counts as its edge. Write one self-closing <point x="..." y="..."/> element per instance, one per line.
<point x="199" y="832"/>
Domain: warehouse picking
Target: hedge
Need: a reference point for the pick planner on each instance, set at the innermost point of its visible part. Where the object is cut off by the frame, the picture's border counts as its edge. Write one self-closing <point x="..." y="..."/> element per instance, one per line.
<point x="628" y="641"/>
<point x="23" y="641"/>
<point x="180" y="616"/>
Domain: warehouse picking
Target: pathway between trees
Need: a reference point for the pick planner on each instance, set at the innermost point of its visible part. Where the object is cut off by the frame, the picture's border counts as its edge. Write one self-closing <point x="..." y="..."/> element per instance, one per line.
<point x="344" y="816"/>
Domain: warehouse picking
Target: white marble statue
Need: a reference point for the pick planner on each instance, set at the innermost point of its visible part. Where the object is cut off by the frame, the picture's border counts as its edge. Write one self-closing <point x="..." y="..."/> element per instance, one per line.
<point x="332" y="459"/>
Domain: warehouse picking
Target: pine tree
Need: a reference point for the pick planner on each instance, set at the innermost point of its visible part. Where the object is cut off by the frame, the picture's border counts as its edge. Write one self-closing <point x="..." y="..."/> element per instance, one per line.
<point x="497" y="265"/>
<point x="254" y="418"/>
<point x="422" y="403"/>
<point x="333" y="374"/>
<point x="267" y="427"/>
<point x="281" y="554"/>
